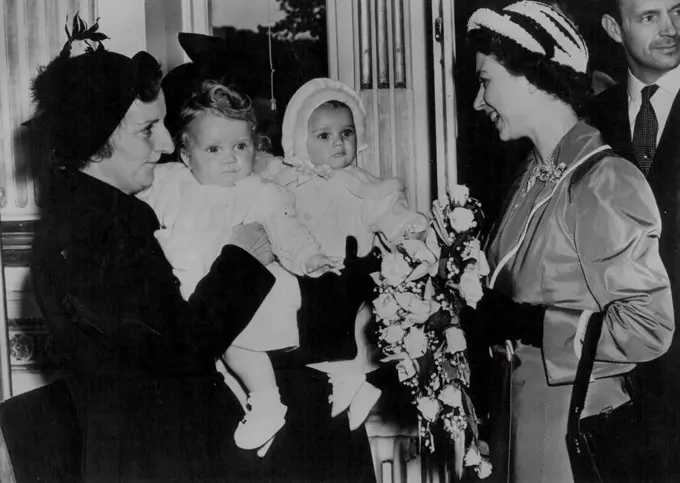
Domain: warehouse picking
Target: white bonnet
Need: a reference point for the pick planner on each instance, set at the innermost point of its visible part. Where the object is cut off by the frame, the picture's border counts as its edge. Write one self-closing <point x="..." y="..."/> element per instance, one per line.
<point x="307" y="98"/>
<point x="539" y="28"/>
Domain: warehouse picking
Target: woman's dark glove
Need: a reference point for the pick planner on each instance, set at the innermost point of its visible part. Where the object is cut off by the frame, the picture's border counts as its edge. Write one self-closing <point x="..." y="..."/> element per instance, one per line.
<point x="330" y="304"/>
<point x="498" y="318"/>
<point x="356" y="274"/>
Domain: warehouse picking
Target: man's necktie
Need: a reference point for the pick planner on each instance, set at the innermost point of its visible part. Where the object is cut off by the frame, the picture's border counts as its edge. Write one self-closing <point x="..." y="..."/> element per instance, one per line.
<point x="646" y="128"/>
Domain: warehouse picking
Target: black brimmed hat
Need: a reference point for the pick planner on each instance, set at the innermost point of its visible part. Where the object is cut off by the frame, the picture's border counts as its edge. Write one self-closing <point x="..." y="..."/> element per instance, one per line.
<point x="81" y="99"/>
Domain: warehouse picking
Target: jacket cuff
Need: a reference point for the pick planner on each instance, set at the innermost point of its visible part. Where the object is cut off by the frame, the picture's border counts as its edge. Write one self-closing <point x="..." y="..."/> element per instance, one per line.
<point x="581" y="331"/>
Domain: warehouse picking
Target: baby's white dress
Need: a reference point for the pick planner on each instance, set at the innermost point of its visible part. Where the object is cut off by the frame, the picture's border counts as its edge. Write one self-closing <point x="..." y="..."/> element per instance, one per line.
<point x="352" y="202"/>
<point x="197" y="221"/>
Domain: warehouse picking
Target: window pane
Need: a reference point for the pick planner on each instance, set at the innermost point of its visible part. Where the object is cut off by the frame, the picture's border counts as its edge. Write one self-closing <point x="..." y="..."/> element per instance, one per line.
<point x="288" y="36"/>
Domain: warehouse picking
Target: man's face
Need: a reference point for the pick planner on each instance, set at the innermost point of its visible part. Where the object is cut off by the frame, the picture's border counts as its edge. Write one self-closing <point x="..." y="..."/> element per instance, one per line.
<point x="649" y="32"/>
<point x="138" y="143"/>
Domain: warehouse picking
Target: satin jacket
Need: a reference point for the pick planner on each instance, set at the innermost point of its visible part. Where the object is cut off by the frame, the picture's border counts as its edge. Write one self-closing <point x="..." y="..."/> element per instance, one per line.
<point x="589" y="243"/>
<point x="611" y="117"/>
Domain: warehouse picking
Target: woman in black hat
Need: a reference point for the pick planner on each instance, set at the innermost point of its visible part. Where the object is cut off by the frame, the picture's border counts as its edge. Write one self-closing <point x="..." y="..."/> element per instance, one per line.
<point x="150" y="404"/>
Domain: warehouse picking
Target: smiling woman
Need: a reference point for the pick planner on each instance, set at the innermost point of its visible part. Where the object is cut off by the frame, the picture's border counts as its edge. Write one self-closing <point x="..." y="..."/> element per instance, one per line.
<point x="549" y="279"/>
<point x="501" y="96"/>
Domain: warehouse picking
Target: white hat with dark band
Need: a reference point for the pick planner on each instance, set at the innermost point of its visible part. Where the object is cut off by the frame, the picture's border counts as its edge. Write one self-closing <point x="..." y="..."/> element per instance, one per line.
<point x="538" y="28"/>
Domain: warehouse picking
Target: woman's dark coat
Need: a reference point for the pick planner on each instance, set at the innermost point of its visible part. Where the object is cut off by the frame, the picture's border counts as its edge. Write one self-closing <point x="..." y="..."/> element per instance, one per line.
<point x="150" y="404"/>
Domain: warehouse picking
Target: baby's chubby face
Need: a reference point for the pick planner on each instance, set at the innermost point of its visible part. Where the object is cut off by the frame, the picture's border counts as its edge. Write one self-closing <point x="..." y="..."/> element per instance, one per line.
<point x="217" y="150"/>
<point x="331" y="136"/>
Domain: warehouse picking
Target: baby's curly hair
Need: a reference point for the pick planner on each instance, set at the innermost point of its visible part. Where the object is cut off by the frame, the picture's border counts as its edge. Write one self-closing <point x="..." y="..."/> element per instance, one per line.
<point x="222" y="101"/>
<point x="561" y="81"/>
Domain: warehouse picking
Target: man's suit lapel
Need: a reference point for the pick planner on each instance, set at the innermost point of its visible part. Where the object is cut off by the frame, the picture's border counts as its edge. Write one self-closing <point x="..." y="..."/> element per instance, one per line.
<point x="613" y="123"/>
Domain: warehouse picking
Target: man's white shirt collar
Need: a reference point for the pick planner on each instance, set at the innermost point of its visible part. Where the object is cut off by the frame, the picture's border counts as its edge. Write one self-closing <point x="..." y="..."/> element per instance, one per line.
<point x="662" y="101"/>
<point x="669" y="82"/>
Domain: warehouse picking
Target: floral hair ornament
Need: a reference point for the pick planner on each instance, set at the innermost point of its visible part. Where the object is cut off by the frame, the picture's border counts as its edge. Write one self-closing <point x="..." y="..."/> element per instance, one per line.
<point x="81" y="38"/>
<point x="301" y="106"/>
<point x="538" y="28"/>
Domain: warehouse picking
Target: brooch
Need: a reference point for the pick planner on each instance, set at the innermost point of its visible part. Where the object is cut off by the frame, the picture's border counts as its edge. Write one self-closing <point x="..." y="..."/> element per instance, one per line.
<point x="547" y="173"/>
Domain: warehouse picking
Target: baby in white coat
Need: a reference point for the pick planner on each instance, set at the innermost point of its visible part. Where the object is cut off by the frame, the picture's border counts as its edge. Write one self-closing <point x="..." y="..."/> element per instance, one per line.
<point x="323" y="131"/>
<point x="198" y="203"/>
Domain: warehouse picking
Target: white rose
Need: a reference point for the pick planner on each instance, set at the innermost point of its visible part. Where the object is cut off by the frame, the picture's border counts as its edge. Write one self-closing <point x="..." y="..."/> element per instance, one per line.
<point x="415" y="343"/>
<point x="419" y="310"/>
<point x="455" y="340"/>
<point x="483" y="469"/>
<point x="393" y="334"/>
<point x="422" y="316"/>
<point x="418" y="251"/>
<point x="459" y="194"/>
<point x="472" y="249"/>
<point x="386" y="306"/>
<point x="429" y="408"/>
<point x="406" y="369"/>
<point x="470" y="287"/>
<point x="461" y="219"/>
<point x="473" y="458"/>
<point x="451" y="396"/>
<point x="394" y="269"/>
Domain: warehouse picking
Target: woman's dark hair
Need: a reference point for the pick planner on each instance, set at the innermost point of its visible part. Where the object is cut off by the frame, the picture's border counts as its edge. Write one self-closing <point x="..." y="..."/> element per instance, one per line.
<point x="563" y="82"/>
<point x="80" y="102"/>
<point x="222" y="101"/>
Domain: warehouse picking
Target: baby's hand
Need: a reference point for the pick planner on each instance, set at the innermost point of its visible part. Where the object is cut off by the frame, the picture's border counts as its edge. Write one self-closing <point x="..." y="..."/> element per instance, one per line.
<point x="320" y="264"/>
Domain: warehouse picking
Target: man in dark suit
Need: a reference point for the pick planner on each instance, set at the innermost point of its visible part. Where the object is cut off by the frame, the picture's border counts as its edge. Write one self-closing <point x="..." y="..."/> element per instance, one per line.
<point x="640" y="118"/>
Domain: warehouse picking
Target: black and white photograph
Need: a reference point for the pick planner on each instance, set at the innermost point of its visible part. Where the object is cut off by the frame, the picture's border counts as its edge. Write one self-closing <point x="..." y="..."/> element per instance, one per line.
<point x="339" y="241"/>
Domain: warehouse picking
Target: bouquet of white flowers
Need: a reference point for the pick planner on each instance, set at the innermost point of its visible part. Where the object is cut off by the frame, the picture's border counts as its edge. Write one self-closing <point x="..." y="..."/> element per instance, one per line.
<point x="423" y="285"/>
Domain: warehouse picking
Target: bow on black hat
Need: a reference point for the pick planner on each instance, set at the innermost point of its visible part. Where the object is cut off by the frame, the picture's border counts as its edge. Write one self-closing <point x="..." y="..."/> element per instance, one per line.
<point x="80" y="100"/>
<point x="208" y="61"/>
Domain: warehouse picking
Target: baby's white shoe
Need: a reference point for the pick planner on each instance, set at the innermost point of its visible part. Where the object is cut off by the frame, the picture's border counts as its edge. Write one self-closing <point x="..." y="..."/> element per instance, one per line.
<point x="345" y="388"/>
<point x="262" y="450"/>
<point x="361" y="405"/>
<point x="266" y="417"/>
